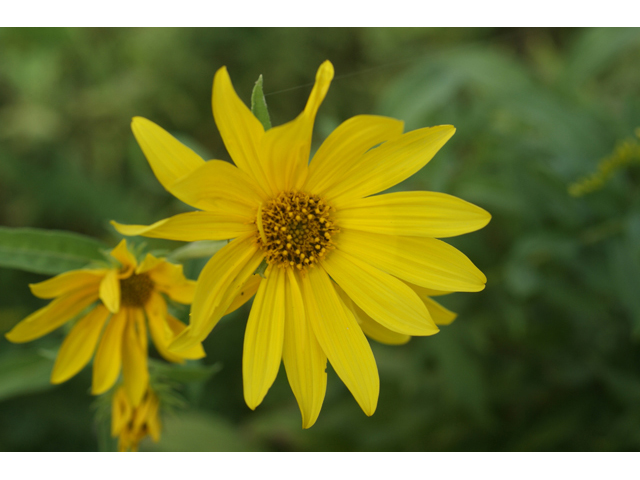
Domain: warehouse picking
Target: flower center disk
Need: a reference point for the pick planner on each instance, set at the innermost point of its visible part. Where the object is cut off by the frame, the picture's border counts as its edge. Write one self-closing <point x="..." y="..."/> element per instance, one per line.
<point x="295" y="230"/>
<point x="135" y="290"/>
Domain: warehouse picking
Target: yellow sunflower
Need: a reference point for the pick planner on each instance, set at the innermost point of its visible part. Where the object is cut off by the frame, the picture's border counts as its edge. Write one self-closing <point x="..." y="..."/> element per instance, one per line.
<point x="122" y="297"/>
<point x="330" y="245"/>
<point x="132" y="423"/>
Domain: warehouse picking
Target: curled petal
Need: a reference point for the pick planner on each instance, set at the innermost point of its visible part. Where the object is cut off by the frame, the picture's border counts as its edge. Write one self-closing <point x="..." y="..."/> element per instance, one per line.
<point x="286" y="148"/>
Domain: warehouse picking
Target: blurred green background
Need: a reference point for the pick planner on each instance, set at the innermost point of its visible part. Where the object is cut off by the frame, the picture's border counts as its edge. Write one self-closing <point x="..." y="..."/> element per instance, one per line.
<point x="546" y="358"/>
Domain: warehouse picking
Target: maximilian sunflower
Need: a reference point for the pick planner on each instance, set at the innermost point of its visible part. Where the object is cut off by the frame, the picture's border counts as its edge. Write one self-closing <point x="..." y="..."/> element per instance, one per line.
<point x="120" y="298"/>
<point x="329" y="245"/>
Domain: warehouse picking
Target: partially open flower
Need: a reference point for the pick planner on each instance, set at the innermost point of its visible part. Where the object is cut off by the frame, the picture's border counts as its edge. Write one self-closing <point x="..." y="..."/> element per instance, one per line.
<point x="132" y="423"/>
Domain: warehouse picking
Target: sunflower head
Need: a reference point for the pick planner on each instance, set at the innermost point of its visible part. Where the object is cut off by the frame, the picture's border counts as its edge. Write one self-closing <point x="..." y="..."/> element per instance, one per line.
<point x="295" y="230"/>
<point x="344" y="259"/>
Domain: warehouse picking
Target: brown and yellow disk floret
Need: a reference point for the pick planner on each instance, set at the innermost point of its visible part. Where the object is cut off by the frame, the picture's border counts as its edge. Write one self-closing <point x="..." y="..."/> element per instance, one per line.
<point x="136" y="290"/>
<point x="295" y="230"/>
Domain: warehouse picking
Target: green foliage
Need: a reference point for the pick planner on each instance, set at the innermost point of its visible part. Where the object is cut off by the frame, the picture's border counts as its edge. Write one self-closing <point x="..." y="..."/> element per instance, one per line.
<point x="23" y="372"/>
<point x="546" y="358"/>
<point x="259" y="105"/>
<point x="47" y="251"/>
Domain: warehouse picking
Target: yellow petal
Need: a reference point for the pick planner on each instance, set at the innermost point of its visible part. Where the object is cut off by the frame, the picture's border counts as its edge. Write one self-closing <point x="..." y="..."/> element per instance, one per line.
<point x="341" y="339"/>
<point x="440" y="314"/>
<point x="156" y="309"/>
<point x="149" y="263"/>
<point x="220" y="282"/>
<point x="216" y="180"/>
<point x="248" y="290"/>
<point x="286" y="148"/>
<point x="67" y="282"/>
<point x="124" y="256"/>
<point x="423" y="261"/>
<point x="303" y="358"/>
<point x="164" y="328"/>
<point x="262" y="351"/>
<point x="170" y="160"/>
<point x="383" y="297"/>
<point x="79" y="345"/>
<point x="191" y="227"/>
<point x="182" y="293"/>
<point x="390" y="163"/>
<point x="110" y="291"/>
<point x="120" y="411"/>
<point x="169" y="278"/>
<point x="153" y="419"/>
<point x="108" y="359"/>
<point x="177" y="327"/>
<point x="370" y="327"/>
<point x="426" y="292"/>
<point x="54" y="315"/>
<point x="240" y="130"/>
<point x="422" y="214"/>
<point x="345" y="145"/>
<point x="134" y="357"/>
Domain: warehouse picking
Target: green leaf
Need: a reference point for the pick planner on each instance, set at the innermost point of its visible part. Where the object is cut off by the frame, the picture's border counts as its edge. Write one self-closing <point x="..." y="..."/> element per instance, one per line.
<point x="200" y="249"/>
<point x="261" y="269"/>
<point x="48" y="252"/>
<point x="201" y="432"/>
<point x="22" y="372"/>
<point x="189" y="372"/>
<point x="259" y="105"/>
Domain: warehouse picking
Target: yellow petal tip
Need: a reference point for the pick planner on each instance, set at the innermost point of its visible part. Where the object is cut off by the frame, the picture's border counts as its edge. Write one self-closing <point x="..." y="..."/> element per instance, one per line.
<point x="183" y="342"/>
<point x="325" y="72"/>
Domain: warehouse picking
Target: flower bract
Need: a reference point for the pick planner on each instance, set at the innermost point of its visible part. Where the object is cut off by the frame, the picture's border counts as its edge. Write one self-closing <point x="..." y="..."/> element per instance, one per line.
<point x="132" y="423"/>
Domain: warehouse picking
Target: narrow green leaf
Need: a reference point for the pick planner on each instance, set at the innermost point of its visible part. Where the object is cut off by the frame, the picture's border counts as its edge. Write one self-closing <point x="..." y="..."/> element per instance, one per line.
<point x="196" y="431"/>
<point x="200" y="249"/>
<point x="23" y="372"/>
<point x="49" y="252"/>
<point x="189" y="372"/>
<point x="259" y="105"/>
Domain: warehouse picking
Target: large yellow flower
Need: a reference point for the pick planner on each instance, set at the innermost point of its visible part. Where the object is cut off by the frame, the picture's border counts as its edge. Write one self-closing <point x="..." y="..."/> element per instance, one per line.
<point x="125" y="295"/>
<point x="330" y="246"/>
<point x="131" y="423"/>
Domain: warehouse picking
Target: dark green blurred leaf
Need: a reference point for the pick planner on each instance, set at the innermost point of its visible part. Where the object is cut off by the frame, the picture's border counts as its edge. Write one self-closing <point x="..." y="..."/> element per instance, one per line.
<point x="200" y="249"/>
<point x="189" y="372"/>
<point x="200" y="432"/>
<point x="46" y="251"/>
<point x="22" y="372"/>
